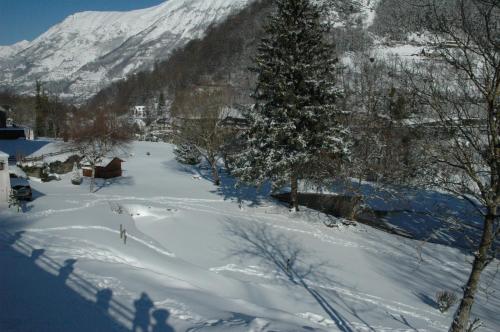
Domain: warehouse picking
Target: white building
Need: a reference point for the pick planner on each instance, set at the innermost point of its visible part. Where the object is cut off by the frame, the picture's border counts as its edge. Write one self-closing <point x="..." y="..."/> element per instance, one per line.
<point x="4" y="178"/>
<point x="139" y="112"/>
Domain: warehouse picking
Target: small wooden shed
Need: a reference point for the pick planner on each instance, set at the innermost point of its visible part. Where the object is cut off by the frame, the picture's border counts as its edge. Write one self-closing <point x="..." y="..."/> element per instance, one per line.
<point x="107" y="169"/>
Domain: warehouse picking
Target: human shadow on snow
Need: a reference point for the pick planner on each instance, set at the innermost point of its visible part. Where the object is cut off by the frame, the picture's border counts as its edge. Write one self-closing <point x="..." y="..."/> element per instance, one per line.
<point x="39" y="291"/>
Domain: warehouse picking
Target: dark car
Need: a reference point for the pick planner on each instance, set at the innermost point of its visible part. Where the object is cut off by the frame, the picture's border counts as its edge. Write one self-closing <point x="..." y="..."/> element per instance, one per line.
<point x="20" y="187"/>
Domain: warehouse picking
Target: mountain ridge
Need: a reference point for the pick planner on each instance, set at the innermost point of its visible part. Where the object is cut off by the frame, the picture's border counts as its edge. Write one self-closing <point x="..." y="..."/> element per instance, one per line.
<point x="88" y="50"/>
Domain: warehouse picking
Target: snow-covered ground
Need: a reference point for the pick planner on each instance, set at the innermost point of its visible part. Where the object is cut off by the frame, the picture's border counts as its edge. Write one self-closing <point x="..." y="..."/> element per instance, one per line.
<point x="198" y="259"/>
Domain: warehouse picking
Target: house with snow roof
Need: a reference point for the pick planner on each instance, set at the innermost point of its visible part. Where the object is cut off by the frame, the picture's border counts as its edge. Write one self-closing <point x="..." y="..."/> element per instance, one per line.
<point x="108" y="168"/>
<point x="139" y="112"/>
<point x="9" y="130"/>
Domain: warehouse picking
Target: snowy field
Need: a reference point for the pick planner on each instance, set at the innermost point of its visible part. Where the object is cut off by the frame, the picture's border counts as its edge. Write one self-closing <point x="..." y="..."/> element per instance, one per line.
<point x="202" y="258"/>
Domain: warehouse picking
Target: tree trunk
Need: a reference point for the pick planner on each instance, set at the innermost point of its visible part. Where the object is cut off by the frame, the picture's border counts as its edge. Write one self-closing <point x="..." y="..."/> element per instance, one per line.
<point x="226" y="164"/>
<point x="92" y="179"/>
<point x="215" y="172"/>
<point x="462" y="315"/>
<point x="294" y="192"/>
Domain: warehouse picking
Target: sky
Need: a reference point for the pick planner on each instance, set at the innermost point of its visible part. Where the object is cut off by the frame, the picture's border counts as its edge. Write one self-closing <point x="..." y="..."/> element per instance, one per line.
<point x="27" y="19"/>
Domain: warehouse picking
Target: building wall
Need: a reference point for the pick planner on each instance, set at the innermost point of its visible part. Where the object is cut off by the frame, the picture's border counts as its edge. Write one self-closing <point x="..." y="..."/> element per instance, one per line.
<point x="4" y="179"/>
<point x="12" y="133"/>
<point x="3" y="119"/>
<point x="29" y="133"/>
<point x="139" y="112"/>
<point x="112" y="170"/>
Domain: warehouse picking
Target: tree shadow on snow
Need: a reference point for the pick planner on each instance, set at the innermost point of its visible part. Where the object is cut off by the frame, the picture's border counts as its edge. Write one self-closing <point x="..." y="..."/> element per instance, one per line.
<point x="292" y="264"/>
<point x="428" y="215"/>
<point x="38" y="293"/>
<point x="427" y="268"/>
<point x="402" y="319"/>
<point x="113" y="182"/>
<point x="425" y="298"/>
<point x="229" y="187"/>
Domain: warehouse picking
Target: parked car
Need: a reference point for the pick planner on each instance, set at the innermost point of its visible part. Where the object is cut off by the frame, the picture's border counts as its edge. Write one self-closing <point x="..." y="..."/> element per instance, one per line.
<point x="20" y="187"/>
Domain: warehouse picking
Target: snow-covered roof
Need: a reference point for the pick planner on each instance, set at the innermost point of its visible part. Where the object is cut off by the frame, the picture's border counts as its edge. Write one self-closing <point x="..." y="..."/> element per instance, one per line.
<point x="3" y="154"/>
<point x="12" y="128"/>
<point x="14" y="169"/>
<point x="21" y="146"/>
<point x="19" y="182"/>
<point x="105" y="162"/>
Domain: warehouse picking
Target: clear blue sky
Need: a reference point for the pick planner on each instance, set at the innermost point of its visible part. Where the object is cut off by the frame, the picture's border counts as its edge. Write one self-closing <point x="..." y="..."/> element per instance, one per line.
<point x="27" y="19"/>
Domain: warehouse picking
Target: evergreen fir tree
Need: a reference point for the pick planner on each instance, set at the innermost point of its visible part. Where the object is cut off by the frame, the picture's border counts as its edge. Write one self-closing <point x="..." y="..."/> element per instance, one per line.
<point x="294" y="123"/>
<point x="161" y="104"/>
<point x="161" y="100"/>
<point x="41" y="110"/>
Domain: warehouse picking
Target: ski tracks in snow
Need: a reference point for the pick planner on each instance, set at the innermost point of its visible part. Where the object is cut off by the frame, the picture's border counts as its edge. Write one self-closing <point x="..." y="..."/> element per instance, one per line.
<point x="389" y="306"/>
<point x="277" y="221"/>
<point x="105" y="229"/>
<point x="219" y="207"/>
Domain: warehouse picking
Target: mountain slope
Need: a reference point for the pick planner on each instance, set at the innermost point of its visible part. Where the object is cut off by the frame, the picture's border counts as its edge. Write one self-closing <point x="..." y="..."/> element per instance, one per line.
<point x="89" y="50"/>
<point x="222" y="55"/>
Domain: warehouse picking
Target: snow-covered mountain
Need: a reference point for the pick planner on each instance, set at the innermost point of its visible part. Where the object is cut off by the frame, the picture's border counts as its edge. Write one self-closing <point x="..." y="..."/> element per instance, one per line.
<point x="88" y="50"/>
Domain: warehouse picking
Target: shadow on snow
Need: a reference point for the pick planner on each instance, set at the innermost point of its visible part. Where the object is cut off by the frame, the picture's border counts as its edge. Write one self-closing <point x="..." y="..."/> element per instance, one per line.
<point x="292" y="264"/>
<point x="229" y="188"/>
<point x="60" y="300"/>
<point x="426" y="215"/>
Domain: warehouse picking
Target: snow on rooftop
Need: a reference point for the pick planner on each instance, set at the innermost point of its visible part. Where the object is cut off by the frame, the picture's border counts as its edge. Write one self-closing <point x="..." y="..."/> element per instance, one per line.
<point x="22" y="146"/>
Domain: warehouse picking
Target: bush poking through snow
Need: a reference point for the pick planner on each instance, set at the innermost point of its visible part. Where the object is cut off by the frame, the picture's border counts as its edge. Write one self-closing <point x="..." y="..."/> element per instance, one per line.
<point x="76" y="178"/>
<point x="445" y="300"/>
<point x="44" y="174"/>
<point x="187" y="154"/>
<point x="15" y="202"/>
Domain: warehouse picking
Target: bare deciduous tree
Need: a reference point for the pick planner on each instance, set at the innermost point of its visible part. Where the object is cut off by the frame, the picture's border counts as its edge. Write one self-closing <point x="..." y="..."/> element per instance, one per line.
<point x="97" y="136"/>
<point x="200" y="119"/>
<point x="464" y="95"/>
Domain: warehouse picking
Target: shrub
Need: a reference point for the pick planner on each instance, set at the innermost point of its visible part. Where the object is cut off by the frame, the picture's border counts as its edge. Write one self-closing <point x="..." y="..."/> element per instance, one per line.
<point x="44" y="175"/>
<point x="187" y="154"/>
<point x="76" y="178"/>
<point x="445" y="300"/>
